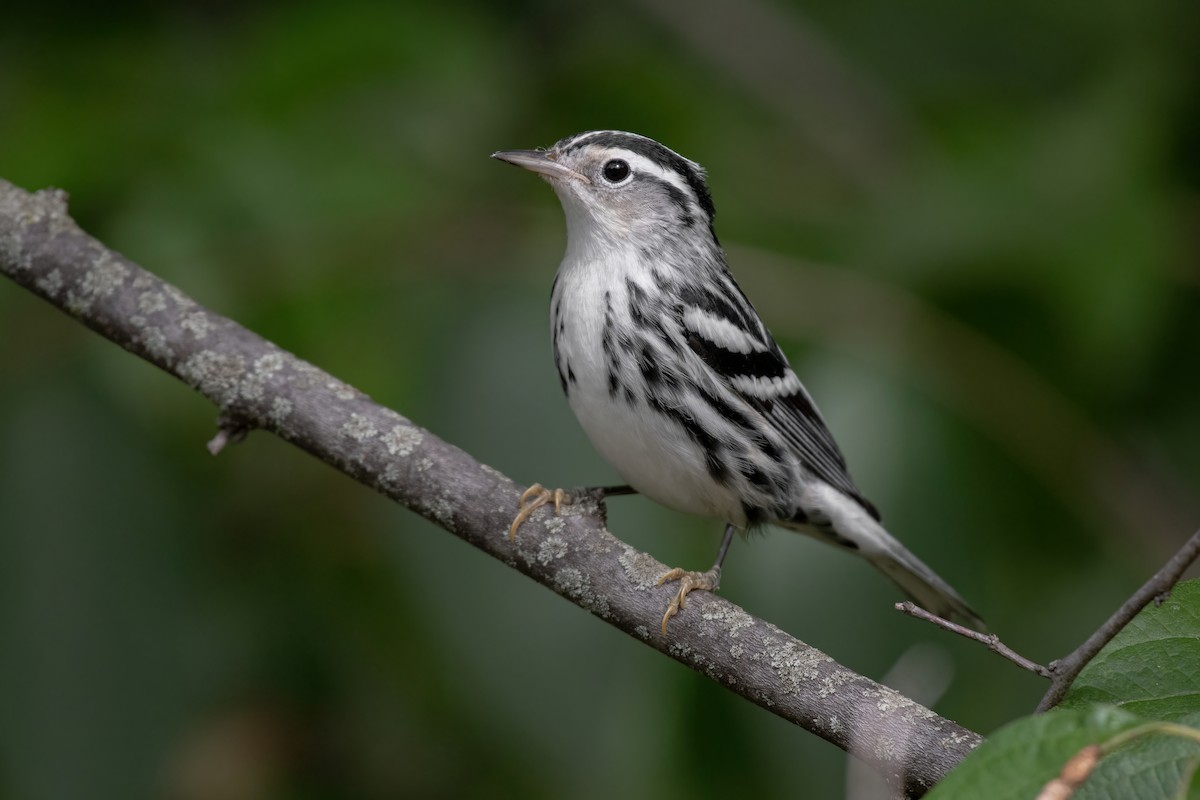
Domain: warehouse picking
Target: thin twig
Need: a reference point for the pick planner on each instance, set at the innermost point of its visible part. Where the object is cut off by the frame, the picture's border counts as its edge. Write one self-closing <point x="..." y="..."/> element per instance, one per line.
<point x="1065" y="670"/>
<point x="989" y="640"/>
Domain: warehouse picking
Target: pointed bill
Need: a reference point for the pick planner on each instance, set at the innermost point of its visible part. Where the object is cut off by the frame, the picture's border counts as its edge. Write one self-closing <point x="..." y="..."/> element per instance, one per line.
<point x="541" y="162"/>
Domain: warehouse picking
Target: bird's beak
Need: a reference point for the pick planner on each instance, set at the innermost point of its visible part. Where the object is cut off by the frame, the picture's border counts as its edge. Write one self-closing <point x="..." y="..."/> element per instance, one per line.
<point x="541" y="162"/>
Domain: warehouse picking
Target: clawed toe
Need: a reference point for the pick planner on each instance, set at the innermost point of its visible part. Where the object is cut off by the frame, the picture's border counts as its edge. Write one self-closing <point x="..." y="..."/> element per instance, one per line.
<point x="534" y="498"/>
<point x="688" y="582"/>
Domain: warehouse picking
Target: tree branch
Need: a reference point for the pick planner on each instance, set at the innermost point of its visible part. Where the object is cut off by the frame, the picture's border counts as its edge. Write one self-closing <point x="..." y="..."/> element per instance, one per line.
<point x="255" y="384"/>
<point x="1065" y="670"/>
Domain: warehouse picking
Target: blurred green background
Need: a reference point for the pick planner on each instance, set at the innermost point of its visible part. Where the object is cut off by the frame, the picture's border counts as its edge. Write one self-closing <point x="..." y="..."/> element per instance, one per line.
<point x="972" y="225"/>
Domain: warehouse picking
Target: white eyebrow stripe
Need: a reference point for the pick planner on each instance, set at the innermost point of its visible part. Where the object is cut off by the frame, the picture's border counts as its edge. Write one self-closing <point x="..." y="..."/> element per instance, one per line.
<point x="640" y="163"/>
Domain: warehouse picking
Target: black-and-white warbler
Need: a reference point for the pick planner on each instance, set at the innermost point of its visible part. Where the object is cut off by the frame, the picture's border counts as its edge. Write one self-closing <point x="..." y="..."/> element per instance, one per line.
<point x="674" y="377"/>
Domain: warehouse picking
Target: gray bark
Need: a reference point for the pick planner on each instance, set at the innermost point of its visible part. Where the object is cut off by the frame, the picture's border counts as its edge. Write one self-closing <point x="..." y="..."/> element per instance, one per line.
<point x="255" y="384"/>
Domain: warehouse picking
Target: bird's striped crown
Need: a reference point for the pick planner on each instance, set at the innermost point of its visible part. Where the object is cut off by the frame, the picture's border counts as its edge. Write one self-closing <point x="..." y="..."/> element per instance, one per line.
<point x="651" y="164"/>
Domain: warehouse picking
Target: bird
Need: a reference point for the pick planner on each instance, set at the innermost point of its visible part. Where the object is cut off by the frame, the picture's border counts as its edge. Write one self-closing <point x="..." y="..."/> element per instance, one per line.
<point x="675" y="378"/>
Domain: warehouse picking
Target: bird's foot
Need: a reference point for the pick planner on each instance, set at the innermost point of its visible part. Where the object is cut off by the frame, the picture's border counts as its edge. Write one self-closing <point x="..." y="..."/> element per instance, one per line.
<point x="534" y="498"/>
<point x="688" y="582"/>
<point x="537" y="496"/>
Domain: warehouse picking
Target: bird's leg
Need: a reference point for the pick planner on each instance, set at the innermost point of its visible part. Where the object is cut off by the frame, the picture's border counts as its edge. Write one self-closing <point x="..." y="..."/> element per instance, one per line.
<point x="692" y="581"/>
<point x="537" y="496"/>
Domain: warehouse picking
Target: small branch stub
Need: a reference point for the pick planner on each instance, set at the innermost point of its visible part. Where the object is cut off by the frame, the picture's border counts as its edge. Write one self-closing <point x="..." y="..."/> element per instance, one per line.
<point x="1073" y="774"/>
<point x="229" y="431"/>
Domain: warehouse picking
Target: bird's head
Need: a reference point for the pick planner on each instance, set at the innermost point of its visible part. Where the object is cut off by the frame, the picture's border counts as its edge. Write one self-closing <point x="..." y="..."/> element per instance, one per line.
<point x="622" y="187"/>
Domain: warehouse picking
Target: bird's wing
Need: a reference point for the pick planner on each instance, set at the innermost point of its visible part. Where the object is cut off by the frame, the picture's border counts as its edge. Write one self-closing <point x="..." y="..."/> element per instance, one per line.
<point x="723" y="329"/>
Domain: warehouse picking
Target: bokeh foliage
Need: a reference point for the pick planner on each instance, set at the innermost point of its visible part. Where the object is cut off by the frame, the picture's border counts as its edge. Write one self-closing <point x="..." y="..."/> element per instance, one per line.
<point x="973" y="226"/>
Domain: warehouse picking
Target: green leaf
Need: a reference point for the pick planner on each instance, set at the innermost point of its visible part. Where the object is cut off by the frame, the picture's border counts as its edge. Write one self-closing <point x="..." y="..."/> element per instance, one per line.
<point x="1148" y="768"/>
<point x="1152" y="667"/>
<point x="1149" y="672"/>
<point x="1020" y="758"/>
<point x="1026" y="755"/>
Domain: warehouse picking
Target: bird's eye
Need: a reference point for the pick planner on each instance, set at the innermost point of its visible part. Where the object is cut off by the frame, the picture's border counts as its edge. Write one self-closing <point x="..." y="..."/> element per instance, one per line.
<point x="616" y="170"/>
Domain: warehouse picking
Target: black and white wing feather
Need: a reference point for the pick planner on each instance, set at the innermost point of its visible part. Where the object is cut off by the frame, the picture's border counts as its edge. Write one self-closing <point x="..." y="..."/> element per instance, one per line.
<point x="723" y="329"/>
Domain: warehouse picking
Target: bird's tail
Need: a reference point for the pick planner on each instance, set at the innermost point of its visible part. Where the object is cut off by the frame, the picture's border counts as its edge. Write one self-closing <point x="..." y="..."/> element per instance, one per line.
<point x="858" y="532"/>
<point x="922" y="585"/>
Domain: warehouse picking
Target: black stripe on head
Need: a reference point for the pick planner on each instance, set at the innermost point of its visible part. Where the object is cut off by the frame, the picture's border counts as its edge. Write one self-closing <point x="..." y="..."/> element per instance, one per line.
<point x="659" y="154"/>
<point x="676" y="196"/>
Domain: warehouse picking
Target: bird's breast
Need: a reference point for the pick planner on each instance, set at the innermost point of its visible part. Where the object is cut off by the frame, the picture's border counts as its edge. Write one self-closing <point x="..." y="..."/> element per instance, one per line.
<point x="600" y="354"/>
